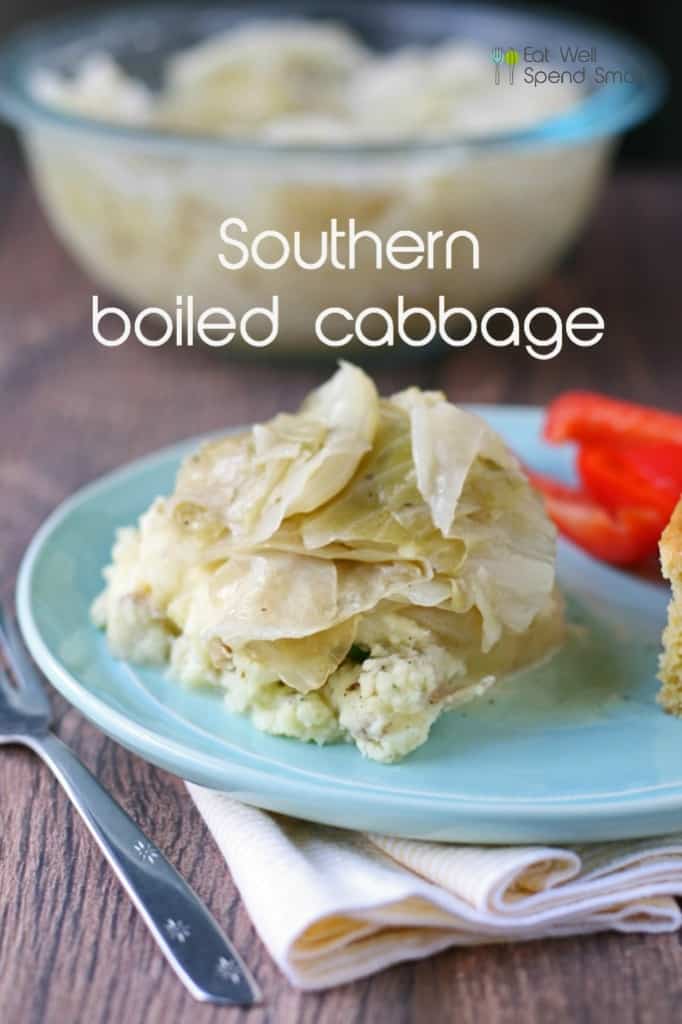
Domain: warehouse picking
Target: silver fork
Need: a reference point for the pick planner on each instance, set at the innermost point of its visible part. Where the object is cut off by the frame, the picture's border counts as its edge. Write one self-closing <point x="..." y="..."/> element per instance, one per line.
<point x="189" y="938"/>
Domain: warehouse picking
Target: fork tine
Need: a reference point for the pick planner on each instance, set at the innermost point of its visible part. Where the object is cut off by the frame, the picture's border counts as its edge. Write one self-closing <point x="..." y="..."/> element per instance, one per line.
<point x="25" y="674"/>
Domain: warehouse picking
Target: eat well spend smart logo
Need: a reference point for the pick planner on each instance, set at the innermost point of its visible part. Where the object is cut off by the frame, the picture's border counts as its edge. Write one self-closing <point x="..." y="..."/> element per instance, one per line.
<point x="499" y="56"/>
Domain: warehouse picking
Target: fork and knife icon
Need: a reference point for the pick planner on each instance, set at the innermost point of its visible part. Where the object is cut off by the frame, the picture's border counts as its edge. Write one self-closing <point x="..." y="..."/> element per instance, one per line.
<point x="510" y="57"/>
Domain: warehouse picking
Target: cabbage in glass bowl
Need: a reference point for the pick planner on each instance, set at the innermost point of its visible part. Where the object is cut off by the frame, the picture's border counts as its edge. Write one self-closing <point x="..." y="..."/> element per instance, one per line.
<point x="146" y="128"/>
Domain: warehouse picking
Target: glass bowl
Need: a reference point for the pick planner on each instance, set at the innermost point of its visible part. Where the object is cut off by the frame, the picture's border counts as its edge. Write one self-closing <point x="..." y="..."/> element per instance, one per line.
<point x="140" y="209"/>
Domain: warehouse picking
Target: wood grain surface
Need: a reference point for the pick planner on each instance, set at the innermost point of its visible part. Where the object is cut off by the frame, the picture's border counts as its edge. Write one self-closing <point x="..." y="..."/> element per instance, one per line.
<point x="72" y="949"/>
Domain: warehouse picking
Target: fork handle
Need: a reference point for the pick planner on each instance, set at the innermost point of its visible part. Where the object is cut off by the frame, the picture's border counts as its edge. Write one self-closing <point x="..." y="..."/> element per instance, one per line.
<point x="189" y="938"/>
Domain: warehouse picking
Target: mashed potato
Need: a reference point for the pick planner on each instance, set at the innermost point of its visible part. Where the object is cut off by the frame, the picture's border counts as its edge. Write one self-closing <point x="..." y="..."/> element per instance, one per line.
<point x="344" y="573"/>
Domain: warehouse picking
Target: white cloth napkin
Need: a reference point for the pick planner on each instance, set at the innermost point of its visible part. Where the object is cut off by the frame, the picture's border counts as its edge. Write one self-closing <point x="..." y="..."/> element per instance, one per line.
<point x="332" y="906"/>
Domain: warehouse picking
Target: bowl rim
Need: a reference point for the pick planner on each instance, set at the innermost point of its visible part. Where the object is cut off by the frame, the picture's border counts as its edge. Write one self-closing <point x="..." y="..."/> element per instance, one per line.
<point x="607" y="111"/>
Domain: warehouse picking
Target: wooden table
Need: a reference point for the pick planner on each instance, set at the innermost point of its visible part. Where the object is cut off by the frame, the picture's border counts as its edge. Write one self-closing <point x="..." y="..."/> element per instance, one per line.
<point x="72" y="949"/>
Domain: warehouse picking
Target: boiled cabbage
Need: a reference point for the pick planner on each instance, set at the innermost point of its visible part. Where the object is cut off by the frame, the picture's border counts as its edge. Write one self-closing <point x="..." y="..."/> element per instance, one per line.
<point x="347" y="571"/>
<point x="297" y="80"/>
<point x="292" y="464"/>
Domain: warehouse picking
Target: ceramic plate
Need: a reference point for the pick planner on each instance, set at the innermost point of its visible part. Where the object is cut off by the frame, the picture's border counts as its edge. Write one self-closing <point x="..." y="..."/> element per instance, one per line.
<point x="576" y="750"/>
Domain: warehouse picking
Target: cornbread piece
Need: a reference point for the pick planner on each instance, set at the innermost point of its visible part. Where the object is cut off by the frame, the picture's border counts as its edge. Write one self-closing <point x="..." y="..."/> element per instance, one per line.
<point x="670" y="696"/>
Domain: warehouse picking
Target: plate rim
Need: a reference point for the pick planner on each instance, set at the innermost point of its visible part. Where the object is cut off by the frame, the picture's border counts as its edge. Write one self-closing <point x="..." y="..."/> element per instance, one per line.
<point x="141" y="739"/>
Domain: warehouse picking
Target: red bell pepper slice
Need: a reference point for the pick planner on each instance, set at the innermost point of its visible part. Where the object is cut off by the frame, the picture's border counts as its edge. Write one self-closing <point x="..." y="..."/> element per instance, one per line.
<point x="643" y="475"/>
<point x="585" y="416"/>
<point x="622" y="536"/>
<point x="660" y="464"/>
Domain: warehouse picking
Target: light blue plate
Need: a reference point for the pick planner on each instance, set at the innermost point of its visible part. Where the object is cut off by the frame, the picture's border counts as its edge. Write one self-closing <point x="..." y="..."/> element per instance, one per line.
<point x="577" y="750"/>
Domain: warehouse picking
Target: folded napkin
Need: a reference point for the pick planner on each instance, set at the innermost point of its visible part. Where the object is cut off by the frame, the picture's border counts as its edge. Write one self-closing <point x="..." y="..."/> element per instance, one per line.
<point x="332" y="906"/>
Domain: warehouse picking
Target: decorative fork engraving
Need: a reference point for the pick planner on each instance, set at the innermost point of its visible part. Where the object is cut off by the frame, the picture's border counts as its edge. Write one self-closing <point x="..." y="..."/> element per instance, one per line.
<point x="178" y="931"/>
<point x="228" y="968"/>
<point x="145" y="851"/>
